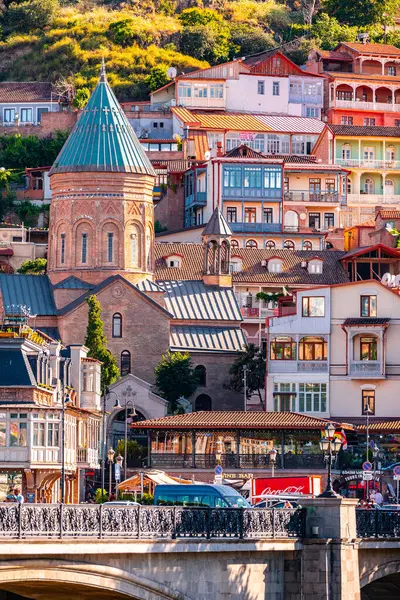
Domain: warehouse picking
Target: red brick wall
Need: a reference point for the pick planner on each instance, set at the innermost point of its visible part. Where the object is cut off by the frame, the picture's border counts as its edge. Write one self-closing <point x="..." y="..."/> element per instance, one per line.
<point x="170" y="210"/>
<point x="51" y="121"/>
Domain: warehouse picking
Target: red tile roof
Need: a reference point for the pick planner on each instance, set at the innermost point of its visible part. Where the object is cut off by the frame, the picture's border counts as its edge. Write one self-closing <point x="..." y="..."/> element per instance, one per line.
<point x="386" y="49"/>
<point x="388" y="214"/>
<point x="26" y="91"/>
<point x="376" y="424"/>
<point x="252" y="272"/>
<point x="237" y="420"/>
<point x="365" y="76"/>
<point x="331" y="54"/>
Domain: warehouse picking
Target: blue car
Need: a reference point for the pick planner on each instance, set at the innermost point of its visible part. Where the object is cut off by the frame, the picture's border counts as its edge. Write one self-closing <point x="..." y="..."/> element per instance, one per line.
<point x="215" y="496"/>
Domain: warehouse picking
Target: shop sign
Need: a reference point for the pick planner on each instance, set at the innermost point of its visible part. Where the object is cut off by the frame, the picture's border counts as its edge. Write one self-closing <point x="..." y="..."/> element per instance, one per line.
<point x="238" y="475"/>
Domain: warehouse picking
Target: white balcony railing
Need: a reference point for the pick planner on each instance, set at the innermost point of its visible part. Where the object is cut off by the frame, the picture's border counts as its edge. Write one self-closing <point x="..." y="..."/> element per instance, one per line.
<point x="202" y="102"/>
<point x="359" y="104"/>
<point x="368" y="164"/>
<point x="372" y="199"/>
<point x="293" y="366"/>
<point x="366" y="368"/>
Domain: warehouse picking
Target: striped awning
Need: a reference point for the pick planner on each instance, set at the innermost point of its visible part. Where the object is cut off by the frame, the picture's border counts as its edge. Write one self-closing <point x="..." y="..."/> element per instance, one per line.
<point x="207" y="339"/>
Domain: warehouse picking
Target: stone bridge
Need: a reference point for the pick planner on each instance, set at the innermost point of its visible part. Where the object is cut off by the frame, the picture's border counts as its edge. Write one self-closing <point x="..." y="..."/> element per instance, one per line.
<point x="324" y="555"/>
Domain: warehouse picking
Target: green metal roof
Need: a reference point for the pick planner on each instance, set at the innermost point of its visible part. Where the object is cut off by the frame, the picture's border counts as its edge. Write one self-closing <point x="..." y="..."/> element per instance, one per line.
<point x="30" y="291"/>
<point x="102" y="139"/>
<point x="73" y="283"/>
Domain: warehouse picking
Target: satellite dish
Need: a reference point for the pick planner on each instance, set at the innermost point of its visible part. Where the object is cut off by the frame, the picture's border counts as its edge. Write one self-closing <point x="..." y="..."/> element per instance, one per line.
<point x="176" y="136"/>
<point x="207" y="155"/>
<point x="172" y="72"/>
<point x="387" y="279"/>
<point x="303" y="216"/>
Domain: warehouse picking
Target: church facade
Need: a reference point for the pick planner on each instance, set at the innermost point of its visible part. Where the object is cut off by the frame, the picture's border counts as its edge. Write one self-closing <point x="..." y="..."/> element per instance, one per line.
<point x="101" y="241"/>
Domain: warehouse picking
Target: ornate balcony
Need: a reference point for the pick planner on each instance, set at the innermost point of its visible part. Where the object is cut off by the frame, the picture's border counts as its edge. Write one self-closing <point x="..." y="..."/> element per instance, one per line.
<point x="307" y="196"/>
<point x="366" y="369"/>
<point x="391" y="165"/>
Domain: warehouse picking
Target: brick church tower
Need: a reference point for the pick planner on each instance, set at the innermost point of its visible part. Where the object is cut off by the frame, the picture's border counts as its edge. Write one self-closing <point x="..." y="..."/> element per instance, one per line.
<point x="101" y="217"/>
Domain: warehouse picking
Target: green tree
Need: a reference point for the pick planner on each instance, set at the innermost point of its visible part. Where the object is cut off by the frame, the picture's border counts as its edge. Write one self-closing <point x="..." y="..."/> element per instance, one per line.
<point x="135" y="452"/>
<point x="249" y="40"/>
<point x="33" y="267"/>
<point x="206" y="42"/>
<point x="362" y="12"/>
<point x="127" y="32"/>
<point x="30" y="15"/>
<point x="175" y="377"/>
<point x="81" y="98"/>
<point x="253" y="359"/>
<point x="330" y="32"/>
<point x="157" y="77"/>
<point x="191" y="17"/>
<point x="96" y="341"/>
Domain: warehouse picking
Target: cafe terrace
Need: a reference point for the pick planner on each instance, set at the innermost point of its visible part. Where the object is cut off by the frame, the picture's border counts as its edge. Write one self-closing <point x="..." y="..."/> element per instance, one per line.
<point x="236" y="440"/>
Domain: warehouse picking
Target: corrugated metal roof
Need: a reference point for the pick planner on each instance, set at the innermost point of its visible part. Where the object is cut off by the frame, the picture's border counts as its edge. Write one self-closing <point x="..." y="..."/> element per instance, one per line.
<point x="207" y="339"/>
<point x="291" y="124"/>
<point x="32" y="291"/>
<point x="73" y="283"/>
<point x="366" y="321"/>
<point x="184" y="115"/>
<point x="363" y="131"/>
<point x="192" y="300"/>
<point x="148" y="286"/>
<point x="376" y="424"/>
<point x="200" y="141"/>
<point x="217" y="225"/>
<point x="227" y="419"/>
<point x="365" y="77"/>
<point x="102" y="139"/>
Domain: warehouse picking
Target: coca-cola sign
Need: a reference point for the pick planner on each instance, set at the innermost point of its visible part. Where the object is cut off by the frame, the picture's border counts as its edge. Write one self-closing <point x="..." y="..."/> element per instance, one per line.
<point x="286" y="485"/>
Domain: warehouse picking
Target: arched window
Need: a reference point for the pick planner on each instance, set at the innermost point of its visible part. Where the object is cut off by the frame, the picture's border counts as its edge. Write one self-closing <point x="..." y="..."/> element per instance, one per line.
<point x="313" y="348"/>
<point x="369" y="186"/>
<point x="390" y="153"/>
<point x="62" y="249"/>
<point x="283" y="348"/>
<point x="134" y="249"/>
<point x="117" y="325"/>
<point x="203" y="402"/>
<point x="110" y="247"/>
<point x="291" y="221"/>
<point x="270" y="244"/>
<point x="307" y="245"/>
<point x="84" y="248"/>
<point x="289" y="245"/>
<point x="389" y="187"/>
<point x="251" y="244"/>
<point x="125" y="362"/>
<point x="201" y="373"/>
<point x="234" y="244"/>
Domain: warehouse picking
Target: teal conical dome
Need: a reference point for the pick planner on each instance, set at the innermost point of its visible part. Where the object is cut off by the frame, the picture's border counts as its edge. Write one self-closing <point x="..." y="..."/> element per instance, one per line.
<point x="102" y="139"/>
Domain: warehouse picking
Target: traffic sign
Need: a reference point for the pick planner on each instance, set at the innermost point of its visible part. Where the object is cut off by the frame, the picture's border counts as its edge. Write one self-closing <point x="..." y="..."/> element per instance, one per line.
<point x="218" y="470"/>
<point x="367" y="476"/>
<point x="367" y="466"/>
<point x="396" y="470"/>
<point x="396" y="477"/>
<point x="218" y="479"/>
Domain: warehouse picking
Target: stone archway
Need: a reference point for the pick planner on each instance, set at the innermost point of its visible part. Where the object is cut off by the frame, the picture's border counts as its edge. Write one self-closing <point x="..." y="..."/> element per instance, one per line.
<point x="378" y="574"/>
<point x="49" y="579"/>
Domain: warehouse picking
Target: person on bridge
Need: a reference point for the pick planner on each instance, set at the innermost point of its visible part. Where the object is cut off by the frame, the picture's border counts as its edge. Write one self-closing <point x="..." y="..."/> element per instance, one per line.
<point x="18" y="496"/>
<point x="376" y="496"/>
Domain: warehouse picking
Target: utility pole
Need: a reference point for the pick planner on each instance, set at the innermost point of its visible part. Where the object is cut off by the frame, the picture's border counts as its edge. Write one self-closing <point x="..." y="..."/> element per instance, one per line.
<point x="245" y="385"/>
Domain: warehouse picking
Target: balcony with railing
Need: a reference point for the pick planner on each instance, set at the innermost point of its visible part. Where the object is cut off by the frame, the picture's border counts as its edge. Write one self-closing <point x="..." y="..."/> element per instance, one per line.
<point x="258" y="313"/>
<point x="251" y="193"/>
<point x="365" y="369"/>
<point x="306" y="99"/>
<point x="256" y="227"/>
<point x="391" y="165"/>
<point x="372" y="199"/>
<point x="307" y="196"/>
<point x="361" y="105"/>
<point x="236" y="461"/>
<point x="196" y="199"/>
<point x="298" y="366"/>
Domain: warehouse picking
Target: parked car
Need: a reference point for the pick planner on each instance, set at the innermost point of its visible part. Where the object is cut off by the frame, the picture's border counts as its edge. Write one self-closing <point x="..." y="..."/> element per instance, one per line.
<point x="282" y="504"/>
<point x="215" y="496"/>
<point x="122" y="503"/>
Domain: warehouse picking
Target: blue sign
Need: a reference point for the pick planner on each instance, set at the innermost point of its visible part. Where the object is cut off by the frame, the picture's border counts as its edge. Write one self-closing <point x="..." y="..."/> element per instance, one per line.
<point x="218" y="470"/>
<point x="396" y="470"/>
<point x="367" y="466"/>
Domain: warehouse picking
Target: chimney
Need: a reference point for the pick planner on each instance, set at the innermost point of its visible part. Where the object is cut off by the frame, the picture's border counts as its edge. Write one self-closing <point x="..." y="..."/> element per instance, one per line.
<point x="219" y="149"/>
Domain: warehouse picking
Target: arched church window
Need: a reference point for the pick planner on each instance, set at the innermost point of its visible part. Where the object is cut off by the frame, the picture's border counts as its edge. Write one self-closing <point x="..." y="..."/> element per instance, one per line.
<point x="125" y="362"/>
<point x="117" y="325"/>
<point x="62" y="249"/>
<point x="84" y="248"/>
<point x="110" y="247"/>
<point x="134" y="249"/>
<point x="201" y="373"/>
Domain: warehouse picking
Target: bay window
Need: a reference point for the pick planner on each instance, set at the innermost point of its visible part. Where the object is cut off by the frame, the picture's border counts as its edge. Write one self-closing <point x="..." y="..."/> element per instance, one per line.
<point x="283" y="348"/>
<point x="313" y="348"/>
<point x="312" y="397"/>
<point x="313" y="306"/>
<point x="18" y="429"/>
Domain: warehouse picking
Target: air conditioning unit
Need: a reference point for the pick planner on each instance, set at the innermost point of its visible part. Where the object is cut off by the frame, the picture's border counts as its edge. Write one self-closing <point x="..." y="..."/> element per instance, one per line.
<point x="304" y="264"/>
<point x="173" y="102"/>
<point x="264" y="263"/>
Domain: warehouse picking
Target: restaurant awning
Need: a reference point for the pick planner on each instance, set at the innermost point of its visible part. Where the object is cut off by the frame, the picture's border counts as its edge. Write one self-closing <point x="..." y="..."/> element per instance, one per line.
<point x="154" y="476"/>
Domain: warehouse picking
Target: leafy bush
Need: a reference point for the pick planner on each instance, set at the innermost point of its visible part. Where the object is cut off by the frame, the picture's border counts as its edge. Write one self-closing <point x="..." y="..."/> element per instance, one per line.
<point x="33" y="267"/>
<point x="81" y="98"/>
<point x="157" y="77"/>
<point x="30" y="15"/>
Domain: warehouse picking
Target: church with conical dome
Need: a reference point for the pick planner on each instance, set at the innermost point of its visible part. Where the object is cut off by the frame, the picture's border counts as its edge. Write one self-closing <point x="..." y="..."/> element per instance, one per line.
<point x="101" y="242"/>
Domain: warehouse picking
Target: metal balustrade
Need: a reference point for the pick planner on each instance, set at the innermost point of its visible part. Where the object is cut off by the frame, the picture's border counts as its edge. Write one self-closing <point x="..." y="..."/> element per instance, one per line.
<point x="22" y="521"/>
<point x="378" y="523"/>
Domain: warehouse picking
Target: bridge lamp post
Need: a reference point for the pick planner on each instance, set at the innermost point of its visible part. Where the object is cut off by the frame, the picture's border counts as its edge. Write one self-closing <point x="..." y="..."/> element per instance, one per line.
<point x="330" y="446"/>
<point x="110" y="456"/>
<point x="272" y="459"/>
<point x="65" y="399"/>
<point x="118" y="464"/>
<point x="107" y="392"/>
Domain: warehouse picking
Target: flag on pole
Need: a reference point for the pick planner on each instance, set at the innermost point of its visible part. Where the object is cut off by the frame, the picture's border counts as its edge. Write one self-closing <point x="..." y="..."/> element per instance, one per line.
<point x="342" y="437"/>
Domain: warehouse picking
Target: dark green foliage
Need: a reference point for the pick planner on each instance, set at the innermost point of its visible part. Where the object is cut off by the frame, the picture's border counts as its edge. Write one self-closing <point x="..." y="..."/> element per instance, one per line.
<point x="96" y="341"/>
<point x="192" y="17"/>
<point x="256" y="369"/>
<point x="81" y="98"/>
<point x="175" y="377"/>
<point x="33" y="267"/>
<point x="157" y="77"/>
<point x="127" y="32"/>
<point x="6" y="204"/>
<point x="31" y="15"/>
<point x="206" y="42"/>
<point x="19" y="152"/>
<point x="330" y="32"/>
<point x="362" y="12"/>
<point x="249" y="40"/>
<point x="135" y="451"/>
<point x="28" y="212"/>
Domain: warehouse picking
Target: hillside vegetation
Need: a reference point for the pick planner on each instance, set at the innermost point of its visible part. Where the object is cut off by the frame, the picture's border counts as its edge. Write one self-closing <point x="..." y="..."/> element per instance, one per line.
<point x="42" y="40"/>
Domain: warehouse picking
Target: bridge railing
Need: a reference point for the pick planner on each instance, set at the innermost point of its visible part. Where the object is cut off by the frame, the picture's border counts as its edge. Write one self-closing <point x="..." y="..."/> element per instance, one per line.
<point x="378" y="523"/>
<point x="21" y="521"/>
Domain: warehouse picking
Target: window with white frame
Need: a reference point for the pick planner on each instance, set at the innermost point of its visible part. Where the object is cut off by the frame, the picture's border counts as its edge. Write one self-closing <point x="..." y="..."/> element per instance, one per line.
<point x="18" y="429"/>
<point x="296" y="88"/>
<point x="261" y="88"/>
<point x="275" y="265"/>
<point x="346" y="152"/>
<point x="312" y="397"/>
<point x="312" y="112"/>
<point x="284" y="397"/>
<point x="184" y="90"/>
<point x="26" y="115"/>
<point x="200" y="91"/>
<point x="217" y="90"/>
<point x="275" y="88"/>
<point x="315" y="266"/>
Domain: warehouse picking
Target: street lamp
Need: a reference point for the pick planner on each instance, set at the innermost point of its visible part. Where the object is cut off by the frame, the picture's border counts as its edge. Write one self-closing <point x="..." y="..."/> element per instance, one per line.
<point x="131" y="415"/>
<point x="65" y="399"/>
<point x="245" y="368"/>
<point x="272" y="459"/>
<point x="110" y="456"/>
<point x="118" y="464"/>
<point x="330" y="446"/>
<point x="367" y="412"/>
<point x="107" y="392"/>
